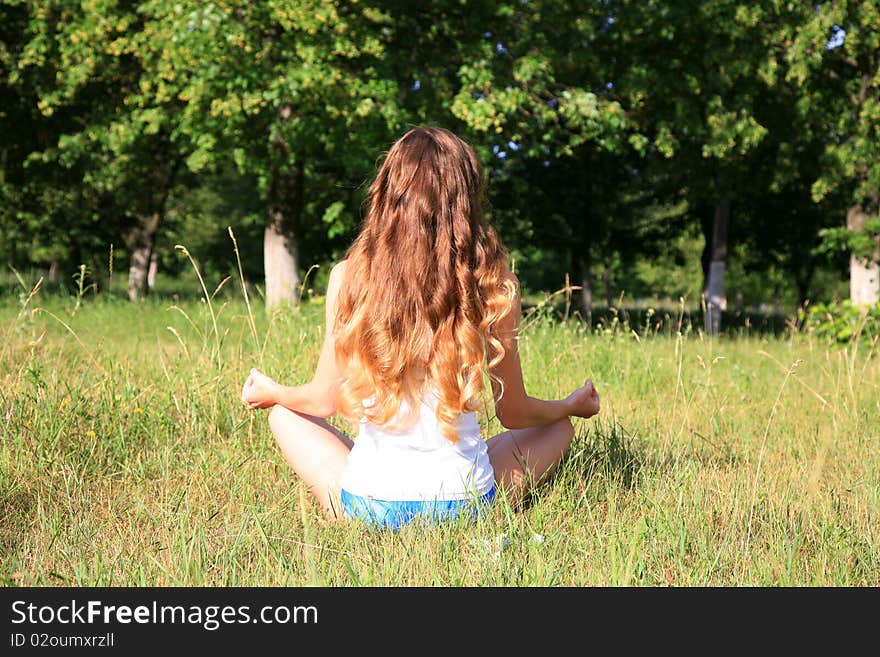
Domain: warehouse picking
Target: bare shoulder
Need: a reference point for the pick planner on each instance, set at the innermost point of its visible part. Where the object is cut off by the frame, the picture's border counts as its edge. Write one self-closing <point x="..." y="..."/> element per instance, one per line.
<point x="511" y="282"/>
<point x="338" y="270"/>
<point x="337" y="276"/>
<point x="510" y="277"/>
<point x="334" y="285"/>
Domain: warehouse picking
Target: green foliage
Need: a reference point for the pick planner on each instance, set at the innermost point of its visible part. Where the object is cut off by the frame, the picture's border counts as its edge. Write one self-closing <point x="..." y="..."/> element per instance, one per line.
<point x="606" y="127"/>
<point x="532" y="82"/>
<point x="861" y="243"/>
<point x="842" y="322"/>
<point x="273" y="84"/>
<point x="675" y="272"/>
<point x="832" y="57"/>
<point x="198" y="217"/>
<point x="132" y="94"/>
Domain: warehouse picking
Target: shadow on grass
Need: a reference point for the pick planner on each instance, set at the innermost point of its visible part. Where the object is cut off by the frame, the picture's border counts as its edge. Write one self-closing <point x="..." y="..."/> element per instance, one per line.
<point x="607" y="452"/>
<point x="605" y="456"/>
<point x="712" y="454"/>
<point x="667" y="321"/>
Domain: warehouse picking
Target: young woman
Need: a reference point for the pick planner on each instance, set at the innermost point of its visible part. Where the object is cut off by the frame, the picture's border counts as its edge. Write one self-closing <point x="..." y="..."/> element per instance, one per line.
<point x="421" y="308"/>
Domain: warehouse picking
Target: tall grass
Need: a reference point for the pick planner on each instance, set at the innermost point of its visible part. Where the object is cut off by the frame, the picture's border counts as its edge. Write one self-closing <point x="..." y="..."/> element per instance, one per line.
<point x="127" y="458"/>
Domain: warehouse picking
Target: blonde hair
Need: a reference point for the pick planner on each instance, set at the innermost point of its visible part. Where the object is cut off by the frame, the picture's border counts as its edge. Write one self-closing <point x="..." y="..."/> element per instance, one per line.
<point x="426" y="285"/>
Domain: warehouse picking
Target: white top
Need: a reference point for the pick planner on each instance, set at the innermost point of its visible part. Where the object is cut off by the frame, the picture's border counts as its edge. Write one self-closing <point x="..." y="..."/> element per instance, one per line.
<point x="417" y="463"/>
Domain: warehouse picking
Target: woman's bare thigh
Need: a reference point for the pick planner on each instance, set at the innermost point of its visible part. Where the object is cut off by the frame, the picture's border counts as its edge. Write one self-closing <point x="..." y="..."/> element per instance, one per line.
<point x="317" y="452"/>
<point x="524" y="457"/>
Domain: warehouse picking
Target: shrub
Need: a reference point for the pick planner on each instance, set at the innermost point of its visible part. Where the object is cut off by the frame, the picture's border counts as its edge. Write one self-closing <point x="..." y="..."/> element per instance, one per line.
<point x="842" y="321"/>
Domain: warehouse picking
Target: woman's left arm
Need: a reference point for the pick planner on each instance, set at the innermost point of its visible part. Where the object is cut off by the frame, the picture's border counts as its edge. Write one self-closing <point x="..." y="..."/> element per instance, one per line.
<point x="318" y="396"/>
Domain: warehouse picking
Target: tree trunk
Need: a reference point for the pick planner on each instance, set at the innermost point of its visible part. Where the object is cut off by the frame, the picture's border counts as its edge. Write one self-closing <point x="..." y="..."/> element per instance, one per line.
<point x="706" y="216"/>
<point x="154" y="268"/>
<point x="52" y="275"/>
<point x="586" y="286"/>
<point x="280" y="249"/>
<point x="606" y="281"/>
<point x="864" y="275"/>
<point x="581" y="234"/>
<point x="141" y="240"/>
<point x="803" y="279"/>
<point x="715" y="299"/>
<point x="582" y="261"/>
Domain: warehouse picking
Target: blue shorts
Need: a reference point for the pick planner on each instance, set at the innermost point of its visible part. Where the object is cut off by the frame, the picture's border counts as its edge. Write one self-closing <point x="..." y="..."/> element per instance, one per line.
<point x="393" y="514"/>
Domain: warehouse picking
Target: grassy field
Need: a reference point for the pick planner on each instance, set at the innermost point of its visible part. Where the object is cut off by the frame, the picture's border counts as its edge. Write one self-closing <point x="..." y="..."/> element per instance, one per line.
<point x="127" y="459"/>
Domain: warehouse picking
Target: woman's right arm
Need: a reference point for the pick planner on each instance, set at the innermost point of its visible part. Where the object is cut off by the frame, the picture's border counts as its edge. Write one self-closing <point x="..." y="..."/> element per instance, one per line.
<point x="318" y="396"/>
<point x="513" y="406"/>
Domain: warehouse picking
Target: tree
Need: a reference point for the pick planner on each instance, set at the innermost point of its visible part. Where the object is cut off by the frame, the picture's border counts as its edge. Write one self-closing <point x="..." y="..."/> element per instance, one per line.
<point x="48" y="217"/>
<point x="92" y="64"/>
<point x="612" y="83"/>
<point x="778" y="221"/>
<point x="276" y="87"/>
<point x="536" y="90"/>
<point x="832" y="54"/>
<point x="692" y="74"/>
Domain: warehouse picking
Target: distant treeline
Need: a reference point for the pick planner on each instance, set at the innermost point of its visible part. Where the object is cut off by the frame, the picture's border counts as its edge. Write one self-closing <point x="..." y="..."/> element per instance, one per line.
<point x="659" y="148"/>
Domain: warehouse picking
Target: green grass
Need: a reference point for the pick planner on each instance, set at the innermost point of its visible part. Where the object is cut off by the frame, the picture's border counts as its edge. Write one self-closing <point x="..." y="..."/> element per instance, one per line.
<point x="127" y="459"/>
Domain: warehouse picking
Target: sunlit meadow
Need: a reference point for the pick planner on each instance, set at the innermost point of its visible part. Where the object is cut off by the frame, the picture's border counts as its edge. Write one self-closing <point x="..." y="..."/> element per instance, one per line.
<point x="127" y="457"/>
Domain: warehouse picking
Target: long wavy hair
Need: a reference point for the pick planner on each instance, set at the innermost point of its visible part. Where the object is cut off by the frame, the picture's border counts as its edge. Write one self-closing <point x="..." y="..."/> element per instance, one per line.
<point x="426" y="285"/>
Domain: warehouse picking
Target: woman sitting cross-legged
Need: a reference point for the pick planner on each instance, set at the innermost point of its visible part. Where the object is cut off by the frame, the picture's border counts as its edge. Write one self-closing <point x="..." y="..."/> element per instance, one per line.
<point x="422" y="307"/>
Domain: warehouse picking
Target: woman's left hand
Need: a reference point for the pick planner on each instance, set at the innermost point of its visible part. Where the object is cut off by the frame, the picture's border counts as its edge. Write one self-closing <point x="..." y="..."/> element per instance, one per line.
<point x="260" y="391"/>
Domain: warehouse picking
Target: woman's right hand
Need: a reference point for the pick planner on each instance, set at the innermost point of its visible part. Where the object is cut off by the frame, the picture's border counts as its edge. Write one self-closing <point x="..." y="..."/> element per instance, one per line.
<point x="584" y="402"/>
<point x="260" y="391"/>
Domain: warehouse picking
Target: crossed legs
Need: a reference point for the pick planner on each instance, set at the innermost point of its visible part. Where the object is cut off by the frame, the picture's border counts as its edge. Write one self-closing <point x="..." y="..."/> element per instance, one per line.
<point x="318" y="453"/>
<point x="523" y="458"/>
<point x="315" y="450"/>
